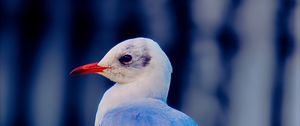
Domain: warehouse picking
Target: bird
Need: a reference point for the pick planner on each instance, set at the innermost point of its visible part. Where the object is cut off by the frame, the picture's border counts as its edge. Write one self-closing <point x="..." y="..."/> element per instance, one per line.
<point x="142" y="73"/>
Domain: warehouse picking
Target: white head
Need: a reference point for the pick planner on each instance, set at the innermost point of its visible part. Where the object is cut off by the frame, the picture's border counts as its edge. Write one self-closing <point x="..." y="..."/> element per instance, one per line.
<point x="140" y="69"/>
<point x="130" y="60"/>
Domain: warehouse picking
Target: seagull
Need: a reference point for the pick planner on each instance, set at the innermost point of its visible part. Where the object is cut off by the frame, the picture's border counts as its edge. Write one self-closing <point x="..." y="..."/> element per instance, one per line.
<point x="142" y="73"/>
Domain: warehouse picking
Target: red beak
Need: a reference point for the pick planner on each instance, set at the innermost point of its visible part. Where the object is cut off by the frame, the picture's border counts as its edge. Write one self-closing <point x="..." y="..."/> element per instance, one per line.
<point x="88" y="68"/>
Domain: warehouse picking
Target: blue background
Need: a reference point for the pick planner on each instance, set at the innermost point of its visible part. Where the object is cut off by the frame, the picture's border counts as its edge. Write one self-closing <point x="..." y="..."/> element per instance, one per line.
<point x="236" y="62"/>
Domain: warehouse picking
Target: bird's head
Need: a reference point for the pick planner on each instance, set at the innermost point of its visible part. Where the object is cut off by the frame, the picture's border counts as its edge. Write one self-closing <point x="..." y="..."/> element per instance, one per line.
<point x="129" y="60"/>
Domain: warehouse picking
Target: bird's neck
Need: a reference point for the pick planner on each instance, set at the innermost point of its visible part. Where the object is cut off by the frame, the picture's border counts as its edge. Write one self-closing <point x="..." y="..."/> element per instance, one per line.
<point x="154" y="86"/>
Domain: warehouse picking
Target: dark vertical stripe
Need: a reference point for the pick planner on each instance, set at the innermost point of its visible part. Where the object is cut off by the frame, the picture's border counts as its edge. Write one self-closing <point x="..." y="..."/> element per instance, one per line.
<point x="179" y="51"/>
<point x="131" y="23"/>
<point x="228" y="43"/>
<point x="284" y="44"/>
<point x="32" y="24"/>
<point x="82" y="28"/>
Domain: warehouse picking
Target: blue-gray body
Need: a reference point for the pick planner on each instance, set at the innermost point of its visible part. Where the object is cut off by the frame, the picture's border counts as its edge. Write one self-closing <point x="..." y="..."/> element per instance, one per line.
<point x="147" y="113"/>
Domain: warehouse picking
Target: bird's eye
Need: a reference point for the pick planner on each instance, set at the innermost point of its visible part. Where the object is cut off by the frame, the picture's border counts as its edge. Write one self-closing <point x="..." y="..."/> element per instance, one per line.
<point x="126" y="59"/>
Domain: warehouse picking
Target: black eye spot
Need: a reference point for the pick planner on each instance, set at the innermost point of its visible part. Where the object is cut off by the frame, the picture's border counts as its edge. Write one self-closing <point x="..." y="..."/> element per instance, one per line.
<point x="126" y="59"/>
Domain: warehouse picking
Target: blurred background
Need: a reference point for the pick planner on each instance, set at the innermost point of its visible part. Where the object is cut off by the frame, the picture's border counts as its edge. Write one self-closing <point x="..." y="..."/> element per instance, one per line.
<point x="236" y="62"/>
